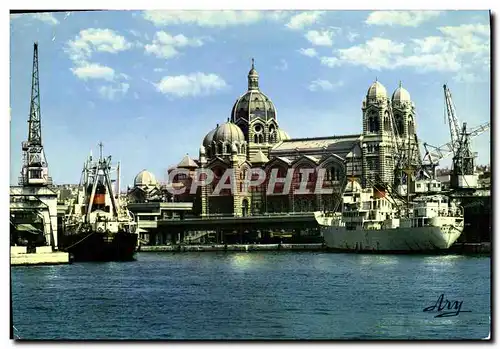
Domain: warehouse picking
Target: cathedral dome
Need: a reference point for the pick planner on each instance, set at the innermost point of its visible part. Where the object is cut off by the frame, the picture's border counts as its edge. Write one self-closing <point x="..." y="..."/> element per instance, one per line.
<point x="144" y="179"/>
<point x="253" y="103"/>
<point x="228" y="132"/>
<point x="401" y="94"/>
<point x="282" y="135"/>
<point x="376" y="90"/>
<point x="209" y="137"/>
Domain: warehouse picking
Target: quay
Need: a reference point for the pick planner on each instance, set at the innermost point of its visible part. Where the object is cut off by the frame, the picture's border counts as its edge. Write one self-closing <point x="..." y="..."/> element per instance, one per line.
<point x="233" y="248"/>
<point x="483" y="248"/>
<point x="20" y="255"/>
<point x="457" y="248"/>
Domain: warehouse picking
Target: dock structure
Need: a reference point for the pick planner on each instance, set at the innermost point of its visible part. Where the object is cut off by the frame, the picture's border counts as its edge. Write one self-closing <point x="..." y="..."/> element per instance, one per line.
<point x="21" y="255"/>
<point x="232" y="229"/>
<point x="33" y="204"/>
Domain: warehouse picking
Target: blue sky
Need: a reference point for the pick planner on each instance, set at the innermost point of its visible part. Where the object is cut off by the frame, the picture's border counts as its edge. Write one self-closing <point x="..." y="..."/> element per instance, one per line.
<point x="151" y="84"/>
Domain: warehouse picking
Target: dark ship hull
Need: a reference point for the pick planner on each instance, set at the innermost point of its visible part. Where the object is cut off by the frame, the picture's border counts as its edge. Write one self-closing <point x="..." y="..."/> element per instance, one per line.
<point x="478" y="219"/>
<point x="100" y="247"/>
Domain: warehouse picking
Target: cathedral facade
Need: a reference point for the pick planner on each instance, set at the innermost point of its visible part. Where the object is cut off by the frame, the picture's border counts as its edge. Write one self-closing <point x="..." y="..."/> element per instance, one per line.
<point x="252" y="138"/>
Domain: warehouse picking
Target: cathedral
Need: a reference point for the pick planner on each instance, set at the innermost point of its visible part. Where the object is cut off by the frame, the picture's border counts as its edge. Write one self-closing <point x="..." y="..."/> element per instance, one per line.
<point x="252" y="138"/>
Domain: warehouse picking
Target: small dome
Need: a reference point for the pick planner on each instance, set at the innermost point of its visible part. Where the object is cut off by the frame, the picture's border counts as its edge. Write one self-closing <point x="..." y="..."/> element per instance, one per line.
<point x="145" y="178"/>
<point x="209" y="137"/>
<point x="282" y="135"/>
<point x="376" y="90"/>
<point x="401" y="94"/>
<point x="228" y="132"/>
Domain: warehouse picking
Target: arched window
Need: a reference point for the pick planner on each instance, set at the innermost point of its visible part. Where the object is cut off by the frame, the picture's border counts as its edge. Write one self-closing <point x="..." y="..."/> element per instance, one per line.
<point x="261" y="139"/>
<point x="228" y="148"/>
<point x="411" y="129"/>
<point x="256" y="139"/>
<point x="243" y="150"/>
<point x="399" y="124"/>
<point x="387" y="125"/>
<point x="220" y="148"/>
<point x="373" y="123"/>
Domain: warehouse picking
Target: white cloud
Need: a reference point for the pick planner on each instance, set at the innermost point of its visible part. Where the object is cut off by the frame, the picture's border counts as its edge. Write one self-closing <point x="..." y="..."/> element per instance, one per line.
<point x="376" y="53"/>
<point x="351" y="36"/>
<point x="46" y="17"/>
<point x="278" y="15"/>
<point x="469" y="38"/>
<point x="402" y="18"/>
<point x="427" y="62"/>
<point x="431" y="44"/>
<point x="450" y="52"/>
<point x="304" y="19"/>
<point x="221" y="18"/>
<point x="309" y="52"/>
<point x="113" y="92"/>
<point x="283" y="65"/>
<point x="195" y="84"/>
<point x="324" y="85"/>
<point x="330" y="61"/>
<point x="165" y="45"/>
<point x="90" y="40"/>
<point x="320" y="38"/>
<point x="94" y="71"/>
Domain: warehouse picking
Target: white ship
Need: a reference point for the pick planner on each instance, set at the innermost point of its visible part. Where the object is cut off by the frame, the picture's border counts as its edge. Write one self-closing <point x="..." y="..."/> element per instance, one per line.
<point x="373" y="221"/>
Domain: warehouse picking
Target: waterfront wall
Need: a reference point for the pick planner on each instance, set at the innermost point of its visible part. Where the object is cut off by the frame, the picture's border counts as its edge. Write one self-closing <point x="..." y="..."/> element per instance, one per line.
<point x="457" y="248"/>
<point x="43" y="255"/>
<point x="236" y="248"/>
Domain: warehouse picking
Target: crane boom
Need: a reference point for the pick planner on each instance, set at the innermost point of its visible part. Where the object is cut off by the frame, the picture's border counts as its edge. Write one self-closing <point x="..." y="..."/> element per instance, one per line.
<point x="452" y="117"/>
<point x="434" y="154"/>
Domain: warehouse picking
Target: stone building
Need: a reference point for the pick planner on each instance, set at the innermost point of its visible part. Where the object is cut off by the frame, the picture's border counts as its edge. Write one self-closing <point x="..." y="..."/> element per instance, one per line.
<point x="252" y="138"/>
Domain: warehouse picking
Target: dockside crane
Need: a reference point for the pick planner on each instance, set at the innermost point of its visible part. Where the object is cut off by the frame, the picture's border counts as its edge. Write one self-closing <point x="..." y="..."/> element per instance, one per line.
<point x="35" y="192"/>
<point x="463" y="173"/>
<point x="35" y="171"/>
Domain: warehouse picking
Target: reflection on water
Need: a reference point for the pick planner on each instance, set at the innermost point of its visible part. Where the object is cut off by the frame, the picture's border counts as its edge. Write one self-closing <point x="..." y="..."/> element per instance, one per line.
<point x="376" y="259"/>
<point x="448" y="260"/>
<point x="255" y="295"/>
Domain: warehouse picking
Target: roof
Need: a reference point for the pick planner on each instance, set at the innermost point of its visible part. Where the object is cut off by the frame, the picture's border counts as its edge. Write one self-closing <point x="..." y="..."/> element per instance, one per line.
<point x="144" y="178"/>
<point x="187" y="162"/>
<point x="259" y="157"/>
<point x="340" y="145"/>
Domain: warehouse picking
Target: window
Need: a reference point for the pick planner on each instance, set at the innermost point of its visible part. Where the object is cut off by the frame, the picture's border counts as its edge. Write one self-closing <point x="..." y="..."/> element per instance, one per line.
<point x="373" y="123"/>
<point x="387" y="125"/>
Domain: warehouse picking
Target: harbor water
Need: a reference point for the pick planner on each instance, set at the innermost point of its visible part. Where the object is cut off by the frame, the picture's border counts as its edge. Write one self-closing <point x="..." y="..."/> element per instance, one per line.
<point x="255" y="295"/>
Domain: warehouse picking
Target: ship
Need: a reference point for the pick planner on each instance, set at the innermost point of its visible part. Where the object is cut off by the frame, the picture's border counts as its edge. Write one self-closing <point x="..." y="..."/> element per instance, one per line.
<point x="372" y="220"/>
<point x="98" y="227"/>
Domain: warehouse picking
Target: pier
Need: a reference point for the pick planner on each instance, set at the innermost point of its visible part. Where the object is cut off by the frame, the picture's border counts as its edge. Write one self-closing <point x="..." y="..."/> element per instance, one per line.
<point x="221" y="229"/>
<point x="233" y="248"/>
